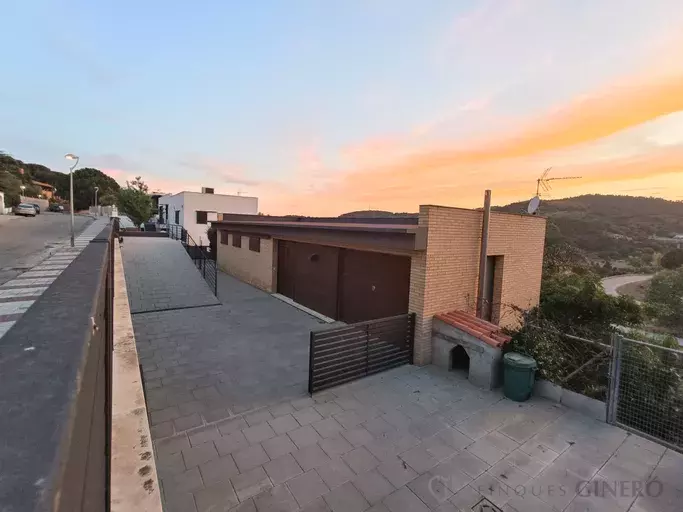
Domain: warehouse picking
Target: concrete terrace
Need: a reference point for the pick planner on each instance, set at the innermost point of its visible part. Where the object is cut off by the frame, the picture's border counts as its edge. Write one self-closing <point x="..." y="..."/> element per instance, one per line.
<point x="233" y="427"/>
<point x="415" y="439"/>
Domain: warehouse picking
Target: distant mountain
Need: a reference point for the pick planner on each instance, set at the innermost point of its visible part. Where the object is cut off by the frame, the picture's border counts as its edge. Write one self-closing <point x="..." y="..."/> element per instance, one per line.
<point x="608" y="226"/>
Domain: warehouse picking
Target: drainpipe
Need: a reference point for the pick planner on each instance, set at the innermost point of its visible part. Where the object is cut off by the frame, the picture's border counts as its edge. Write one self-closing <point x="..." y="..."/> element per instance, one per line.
<point x="482" y="253"/>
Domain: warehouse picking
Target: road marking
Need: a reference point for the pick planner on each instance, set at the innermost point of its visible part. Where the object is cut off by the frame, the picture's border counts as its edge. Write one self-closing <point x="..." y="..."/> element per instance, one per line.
<point x="4" y="327"/>
<point x="22" y="292"/>
<point x="32" y="274"/>
<point x="49" y="267"/>
<point x="14" y="308"/>
<point x="19" y="281"/>
<point x="35" y="281"/>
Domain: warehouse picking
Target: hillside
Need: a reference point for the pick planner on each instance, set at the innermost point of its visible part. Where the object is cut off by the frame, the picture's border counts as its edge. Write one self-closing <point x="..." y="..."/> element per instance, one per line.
<point x="613" y="227"/>
<point x="15" y="173"/>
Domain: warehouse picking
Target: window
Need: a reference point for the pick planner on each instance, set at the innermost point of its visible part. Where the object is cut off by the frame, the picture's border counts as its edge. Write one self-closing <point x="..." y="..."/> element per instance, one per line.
<point x="201" y="217"/>
<point x="254" y="244"/>
<point x="236" y="240"/>
<point x="224" y="237"/>
<point x="177" y="217"/>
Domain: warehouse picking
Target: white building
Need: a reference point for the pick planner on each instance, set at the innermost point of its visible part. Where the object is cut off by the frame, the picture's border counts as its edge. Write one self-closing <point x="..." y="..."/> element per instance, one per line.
<point x="195" y="210"/>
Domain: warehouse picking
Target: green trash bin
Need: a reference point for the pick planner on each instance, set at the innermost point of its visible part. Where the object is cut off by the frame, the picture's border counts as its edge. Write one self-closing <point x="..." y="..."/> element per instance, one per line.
<point x="518" y="376"/>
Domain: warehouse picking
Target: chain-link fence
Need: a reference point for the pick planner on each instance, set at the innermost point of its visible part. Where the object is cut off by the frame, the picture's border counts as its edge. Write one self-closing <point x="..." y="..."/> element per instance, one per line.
<point x="641" y="382"/>
<point x="646" y="390"/>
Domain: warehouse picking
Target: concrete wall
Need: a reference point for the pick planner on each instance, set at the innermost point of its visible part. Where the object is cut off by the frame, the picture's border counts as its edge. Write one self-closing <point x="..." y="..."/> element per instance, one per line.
<point x="256" y="268"/>
<point x="188" y="203"/>
<point x="585" y="405"/>
<point x="445" y="276"/>
<point x="54" y="398"/>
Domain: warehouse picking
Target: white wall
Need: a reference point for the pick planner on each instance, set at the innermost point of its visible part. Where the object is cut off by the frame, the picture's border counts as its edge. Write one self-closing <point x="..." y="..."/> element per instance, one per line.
<point x="175" y="203"/>
<point x="189" y="203"/>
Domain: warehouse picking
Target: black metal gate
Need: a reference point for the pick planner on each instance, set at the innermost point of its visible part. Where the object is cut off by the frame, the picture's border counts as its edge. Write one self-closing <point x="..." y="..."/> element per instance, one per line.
<point x="202" y="259"/>
<point x="348" y="353"/>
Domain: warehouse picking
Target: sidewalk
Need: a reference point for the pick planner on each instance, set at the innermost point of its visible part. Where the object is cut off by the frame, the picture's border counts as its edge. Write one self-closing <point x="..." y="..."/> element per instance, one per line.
<point x="19" y="294"/>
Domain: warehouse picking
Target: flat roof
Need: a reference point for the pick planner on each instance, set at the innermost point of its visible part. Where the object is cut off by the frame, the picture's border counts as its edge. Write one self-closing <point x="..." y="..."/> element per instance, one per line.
<point x="396" y="235"/>
<point x="335" y="226"/>
<point x="205" y="194"/>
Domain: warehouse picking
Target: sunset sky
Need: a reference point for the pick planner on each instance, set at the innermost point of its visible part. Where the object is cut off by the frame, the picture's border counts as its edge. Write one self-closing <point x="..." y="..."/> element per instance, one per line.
<point x="321" y="107"/>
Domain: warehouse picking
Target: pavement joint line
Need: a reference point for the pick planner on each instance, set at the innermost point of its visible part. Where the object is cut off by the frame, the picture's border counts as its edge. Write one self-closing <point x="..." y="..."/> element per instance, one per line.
<point x="179" y="308"/>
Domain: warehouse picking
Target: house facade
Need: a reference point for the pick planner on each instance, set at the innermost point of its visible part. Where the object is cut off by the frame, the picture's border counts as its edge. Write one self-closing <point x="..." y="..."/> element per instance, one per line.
<point x="360" y="269"/>
<point x="47" y="191"/>
<point x="195" y="210"/>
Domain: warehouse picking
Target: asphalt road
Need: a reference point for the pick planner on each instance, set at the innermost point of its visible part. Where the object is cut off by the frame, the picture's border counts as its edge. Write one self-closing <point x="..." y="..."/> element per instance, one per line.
<point x="26" y="241"/>
<point x="610" y="284"/>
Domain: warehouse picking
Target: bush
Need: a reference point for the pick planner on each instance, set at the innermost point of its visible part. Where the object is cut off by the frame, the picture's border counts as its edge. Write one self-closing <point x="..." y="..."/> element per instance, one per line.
<point x="672" y="259"/>
<point x="664" y="299"/>
<point x="577" y="303"/>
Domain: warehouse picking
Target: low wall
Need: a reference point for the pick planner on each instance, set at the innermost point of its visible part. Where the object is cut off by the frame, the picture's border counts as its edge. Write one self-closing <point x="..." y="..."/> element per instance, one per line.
<point x="55" y="364"/>
<point x="581" y="403"/>
<point x="134" y="482"/>
<point x="148" y="234"/>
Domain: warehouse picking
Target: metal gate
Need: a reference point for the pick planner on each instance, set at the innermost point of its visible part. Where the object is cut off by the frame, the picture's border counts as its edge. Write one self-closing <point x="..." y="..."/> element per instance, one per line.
<point x="199" y="254"/>
<point x="348" y="353"/>
<point x="646" y="391"/>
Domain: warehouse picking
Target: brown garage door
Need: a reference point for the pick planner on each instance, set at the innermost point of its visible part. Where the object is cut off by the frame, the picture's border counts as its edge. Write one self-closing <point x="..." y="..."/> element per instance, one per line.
<point x="307" y="273"/>
<point x="372" y="285"/>
<point x="344" y="284"/>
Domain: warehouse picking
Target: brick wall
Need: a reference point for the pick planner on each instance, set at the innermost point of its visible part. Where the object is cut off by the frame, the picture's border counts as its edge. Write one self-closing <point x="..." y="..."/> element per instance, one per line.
<point x="255" y="268"/>
<point x="445" y="276"/>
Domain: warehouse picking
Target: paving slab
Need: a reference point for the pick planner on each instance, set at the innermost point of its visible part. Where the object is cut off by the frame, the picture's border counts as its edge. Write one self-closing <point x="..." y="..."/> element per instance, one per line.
<point x="161" y="276"/>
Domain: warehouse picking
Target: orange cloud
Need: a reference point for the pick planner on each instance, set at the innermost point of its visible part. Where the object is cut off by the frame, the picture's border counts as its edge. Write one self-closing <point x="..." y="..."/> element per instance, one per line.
<point x="442" y="175"/>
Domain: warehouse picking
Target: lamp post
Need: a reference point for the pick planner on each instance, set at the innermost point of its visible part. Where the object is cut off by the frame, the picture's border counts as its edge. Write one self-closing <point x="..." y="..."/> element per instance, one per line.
<point x="96" y="210"/>
<point x="71" y="156"/>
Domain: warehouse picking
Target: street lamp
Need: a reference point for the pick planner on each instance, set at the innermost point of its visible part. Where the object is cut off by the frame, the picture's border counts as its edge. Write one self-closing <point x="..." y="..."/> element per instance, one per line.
<point x="71" y="156"/>
<point x="96" y="189"/>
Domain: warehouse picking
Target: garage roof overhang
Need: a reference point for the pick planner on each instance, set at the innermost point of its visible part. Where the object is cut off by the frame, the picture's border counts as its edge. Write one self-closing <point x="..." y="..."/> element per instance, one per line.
<point x="404" y="239"/>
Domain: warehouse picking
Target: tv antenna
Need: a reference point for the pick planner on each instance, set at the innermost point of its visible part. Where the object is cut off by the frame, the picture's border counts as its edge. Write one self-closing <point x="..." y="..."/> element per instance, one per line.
<point x="543" y="183"/>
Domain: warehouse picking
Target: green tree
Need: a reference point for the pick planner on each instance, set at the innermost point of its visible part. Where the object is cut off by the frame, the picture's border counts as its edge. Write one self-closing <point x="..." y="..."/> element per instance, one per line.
<point x="107" y="199"/>
<point x="134" y="202"/>
<point x="9" y="185"/>
<point x="578" y="303"/>
<point x="672" y="259"/>
<point x="664" y="299"/>
<point x="562" y="257"/>
<point x="138" y="184"/>
<point x="85" y="181"/>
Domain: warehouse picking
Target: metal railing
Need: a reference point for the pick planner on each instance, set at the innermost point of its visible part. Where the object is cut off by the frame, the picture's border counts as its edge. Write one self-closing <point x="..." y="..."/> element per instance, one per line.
<point x="348" y="353"/>
<point x="646" y="390"/>
<point x="199" y="254"/>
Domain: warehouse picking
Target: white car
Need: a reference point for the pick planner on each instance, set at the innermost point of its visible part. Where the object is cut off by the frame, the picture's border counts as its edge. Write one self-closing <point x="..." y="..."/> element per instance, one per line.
<point x="25" y="209"/>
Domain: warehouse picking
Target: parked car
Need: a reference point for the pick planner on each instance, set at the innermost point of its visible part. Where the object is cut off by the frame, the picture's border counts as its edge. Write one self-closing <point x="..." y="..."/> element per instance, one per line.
<point x="54" y="207"/>
<point x="25" y="209"/>
<point x="37" y="207"/>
